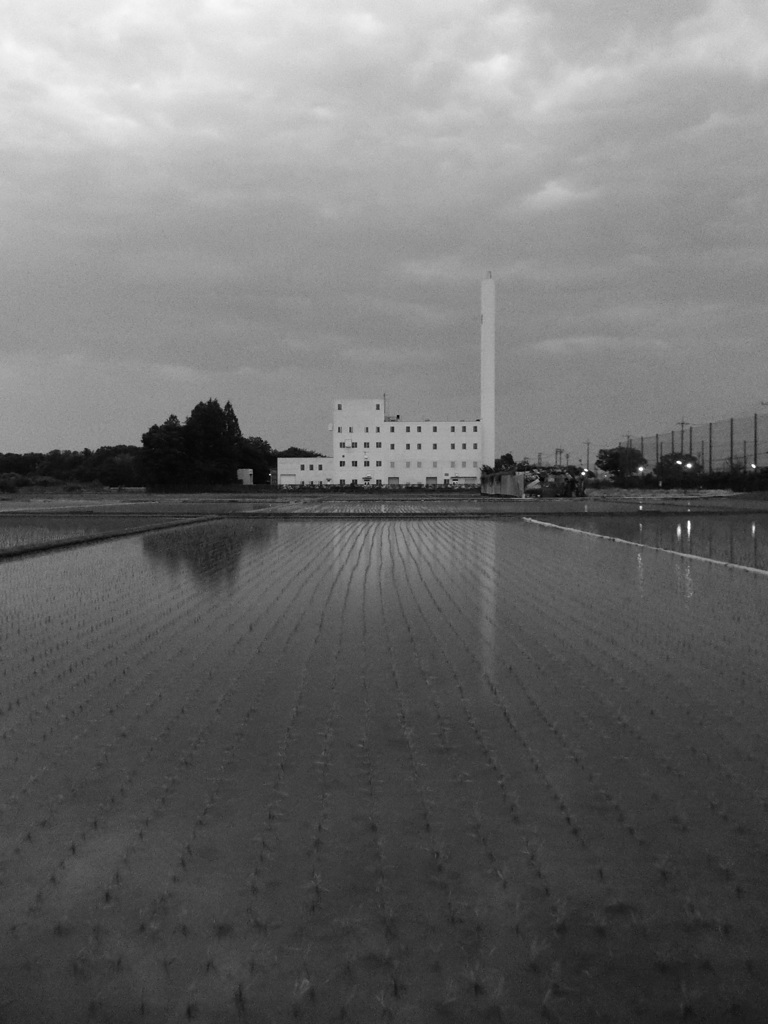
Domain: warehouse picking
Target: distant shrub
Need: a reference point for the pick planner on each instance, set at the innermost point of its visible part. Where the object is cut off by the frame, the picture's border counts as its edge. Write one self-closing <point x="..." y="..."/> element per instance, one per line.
<point x="8" y="483"/>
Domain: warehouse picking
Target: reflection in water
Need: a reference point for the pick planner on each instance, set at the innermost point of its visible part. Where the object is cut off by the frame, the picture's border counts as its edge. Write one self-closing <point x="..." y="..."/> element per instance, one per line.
<point x="640" y="573"/>
<point x="684" y="578"/>
<point x="741" y="539"/>
<point x="488" y="600"/>
<point x="210" y="552"/>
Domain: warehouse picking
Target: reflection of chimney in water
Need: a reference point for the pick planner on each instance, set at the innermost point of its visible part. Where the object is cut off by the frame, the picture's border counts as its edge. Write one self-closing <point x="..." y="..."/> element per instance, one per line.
<point x="488" y="369"/>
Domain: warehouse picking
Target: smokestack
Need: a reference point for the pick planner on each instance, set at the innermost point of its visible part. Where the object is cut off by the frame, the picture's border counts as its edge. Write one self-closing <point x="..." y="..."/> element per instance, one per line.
<point x="488" y="369"/>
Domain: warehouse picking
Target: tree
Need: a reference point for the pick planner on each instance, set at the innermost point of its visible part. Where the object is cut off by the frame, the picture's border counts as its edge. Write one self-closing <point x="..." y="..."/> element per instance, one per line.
<point x="623" y="462"/>
<point x="164" y="454"/>
<point x="255" y="453"/>
<point x="212" y="439"/>
<point x="505" y="462"/>
<point x="679" y="470"/>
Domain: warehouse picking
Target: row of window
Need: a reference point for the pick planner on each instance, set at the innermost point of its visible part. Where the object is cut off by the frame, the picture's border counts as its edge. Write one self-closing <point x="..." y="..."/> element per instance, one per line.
<point x="311" y="466"/>
<point x="366" y="444"/>
<point x="353" y="462"/>
<point x="377" y="430"/>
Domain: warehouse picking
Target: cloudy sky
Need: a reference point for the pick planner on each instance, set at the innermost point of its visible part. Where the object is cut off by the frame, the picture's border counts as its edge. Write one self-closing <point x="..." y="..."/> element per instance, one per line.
<point x="279" y="203"/>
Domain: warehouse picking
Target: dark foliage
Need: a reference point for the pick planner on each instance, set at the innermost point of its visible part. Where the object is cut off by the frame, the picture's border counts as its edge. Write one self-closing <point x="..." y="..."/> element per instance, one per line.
<point x="624" y="462"/>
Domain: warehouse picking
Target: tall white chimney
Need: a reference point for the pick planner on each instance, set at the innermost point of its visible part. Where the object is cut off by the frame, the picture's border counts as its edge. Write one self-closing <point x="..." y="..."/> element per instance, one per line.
<point x="488" y="369"/>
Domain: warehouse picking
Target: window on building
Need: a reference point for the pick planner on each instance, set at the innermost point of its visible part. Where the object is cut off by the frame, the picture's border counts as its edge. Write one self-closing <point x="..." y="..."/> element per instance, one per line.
<point x="350" y="430"/>
<point x="407" y="465"/>
<point x="453" y="465"/>
<point x="353" y="444"/>
<point x="463" y="430"/>
<point x="407" y="430"/>
<point x="418" y="446"/>
<point x="391" y="430"/>
<point x="434" y="430"/>
<point x="474" y="464"/>
<point x="378" y="483"/>
<point x="311" y="467"/>
<point x="339" y="406"/>
<point x="434" y="447"/>
<point x="474" y="429"/>
<point x="342" y="444"/>
<point x="434" y="465"/>
<point x="453" y="446"/>
<point x="418" y="465"/>
<point x="378" y="463"/>
<point x="366" y="463"/>
<point x="301" y="466"/>
<point x="378" y="430"/>
<point x="366" y="444"/>
<point x="319" y="465"/>
<point x="463" y="465"/>
<point x="391" y="447"/>
<point x="463" y="446"/>
<point x="342" y="483"/>
<point x="407" y="447"/>
<point x="474" y="445"/>
<point x="391" y="465"/>
<point x="378" y="406"/>
<point x="342" y="463"/>
<point x="353" y="482"/>
<point x="418" y="430"/>
<point x="453" y="430"/>
<point x="354" y="462"/>
<point x="378" y="444"/>
<point x="338" y="430"/>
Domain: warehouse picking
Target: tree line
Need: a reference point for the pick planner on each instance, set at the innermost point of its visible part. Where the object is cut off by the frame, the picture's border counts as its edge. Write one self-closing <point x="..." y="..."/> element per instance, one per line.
<point x="629" y="467"/>
<point x="204" y="451"/>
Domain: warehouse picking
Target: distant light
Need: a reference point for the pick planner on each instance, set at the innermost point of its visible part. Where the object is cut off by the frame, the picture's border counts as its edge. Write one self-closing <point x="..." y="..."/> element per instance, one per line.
<point x="753" y="465"/>
<point x="678" y="462"/>
<point x="689" y="465"/>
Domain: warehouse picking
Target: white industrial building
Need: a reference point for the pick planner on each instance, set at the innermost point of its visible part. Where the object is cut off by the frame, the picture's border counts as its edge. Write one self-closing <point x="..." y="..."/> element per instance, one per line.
<point x="374" y="449"/>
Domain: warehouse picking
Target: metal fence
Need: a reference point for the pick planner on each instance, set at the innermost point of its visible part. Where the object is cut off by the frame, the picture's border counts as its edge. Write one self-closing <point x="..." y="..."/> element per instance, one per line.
<point x="720" y="446"/>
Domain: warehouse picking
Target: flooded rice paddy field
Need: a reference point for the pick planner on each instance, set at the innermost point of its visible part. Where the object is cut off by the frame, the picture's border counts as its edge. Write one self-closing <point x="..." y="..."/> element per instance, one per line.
<point x="741" y="539"/>
<point x="395" y="770"/>
<point x="27" y="532"/>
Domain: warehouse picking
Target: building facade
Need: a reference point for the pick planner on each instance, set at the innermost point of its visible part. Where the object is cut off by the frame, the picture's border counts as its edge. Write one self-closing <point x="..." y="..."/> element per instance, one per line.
<point x="305" y="472"/>
<point x="373" y="449"/>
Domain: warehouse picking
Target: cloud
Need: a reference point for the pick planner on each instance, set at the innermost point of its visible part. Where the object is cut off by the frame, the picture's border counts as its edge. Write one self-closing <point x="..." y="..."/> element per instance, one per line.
<point x="283" y="190"/>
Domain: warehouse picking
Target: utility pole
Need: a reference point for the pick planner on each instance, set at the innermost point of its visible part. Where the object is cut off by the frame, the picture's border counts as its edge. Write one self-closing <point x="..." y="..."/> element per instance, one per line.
<point x="587" y="443"/>
<point x="682" y="424"/>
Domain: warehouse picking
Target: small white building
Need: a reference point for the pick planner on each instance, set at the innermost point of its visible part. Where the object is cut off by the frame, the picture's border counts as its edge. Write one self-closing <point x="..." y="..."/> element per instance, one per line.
<point x="306" y="471"/>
